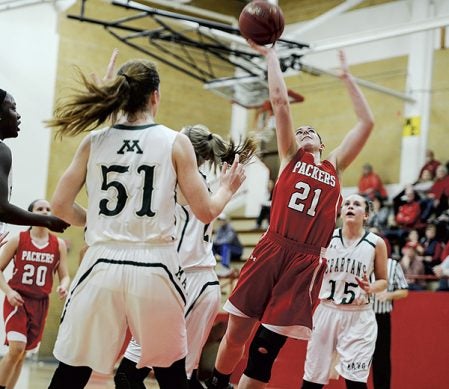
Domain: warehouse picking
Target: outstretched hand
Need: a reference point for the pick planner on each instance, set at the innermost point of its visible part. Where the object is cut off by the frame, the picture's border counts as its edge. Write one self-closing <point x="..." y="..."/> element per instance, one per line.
<point x="364" y="283"/>
<point x="56" y="224"/>
<point x="234" y="176"/>
<point x="263" y="50"/>
<point x="14" y="298"/>
<point x="62" y="292"/>
<point x="110" y="70"/>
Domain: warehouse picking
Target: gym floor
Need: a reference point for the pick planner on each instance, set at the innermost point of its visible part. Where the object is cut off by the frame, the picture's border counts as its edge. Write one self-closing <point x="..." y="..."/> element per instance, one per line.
<point x="37" y="375"/>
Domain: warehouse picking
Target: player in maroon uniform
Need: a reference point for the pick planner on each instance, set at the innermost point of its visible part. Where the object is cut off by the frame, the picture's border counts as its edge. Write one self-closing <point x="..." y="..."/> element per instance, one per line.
<point x="279" y="284"/>
<point x="37" y="255"/>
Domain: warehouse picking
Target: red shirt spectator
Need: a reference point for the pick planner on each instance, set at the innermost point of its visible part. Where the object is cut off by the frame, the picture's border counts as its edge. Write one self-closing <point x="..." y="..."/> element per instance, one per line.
<point x="445" y="252"/>
<point x="431" y="164"/>
<point x="371" y="184"/>
<point x="409" y="213"/>
<point x="441" y="184"/>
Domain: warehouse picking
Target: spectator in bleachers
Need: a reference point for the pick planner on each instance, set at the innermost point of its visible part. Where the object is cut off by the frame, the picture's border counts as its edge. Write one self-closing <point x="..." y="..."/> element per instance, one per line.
<point x="440" y="190"/>
<point x="432" y="249"/>
<point x="431" y="164"/>
<point x="379" y="217"/>
<point x="407" y="218"/>
<point x="413" y="239"/>
<point x="409" y="213"/>
<point x="442" y="223"/>
<point x="375" y="230"/>
<point x="424" y="183"/>
<point x="226" y="242"/>
<point x="442" y="270"/>
<point x="421" y="188"/>
<point x="412" y="265"/>
<point x="435" y="200"/>
<point x="370" y="184"/>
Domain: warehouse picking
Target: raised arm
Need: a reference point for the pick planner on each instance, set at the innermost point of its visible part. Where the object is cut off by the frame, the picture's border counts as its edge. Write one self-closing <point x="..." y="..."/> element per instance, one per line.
<point x="286" y="140"/>
<point x="205" y="207"/>
<point x="63" y="202"/>
<point x="355" y="139"/>
<point x="110" y="70"/>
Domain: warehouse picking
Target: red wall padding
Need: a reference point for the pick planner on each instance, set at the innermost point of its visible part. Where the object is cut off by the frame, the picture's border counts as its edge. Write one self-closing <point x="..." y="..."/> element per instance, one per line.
<point x="420" y="347"/>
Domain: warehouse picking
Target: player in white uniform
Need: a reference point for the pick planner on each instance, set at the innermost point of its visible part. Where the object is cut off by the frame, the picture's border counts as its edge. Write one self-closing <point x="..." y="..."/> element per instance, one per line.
<point x="344" y="326"/>
<point x="130" y="275"/>
<point x="194" y="246"/>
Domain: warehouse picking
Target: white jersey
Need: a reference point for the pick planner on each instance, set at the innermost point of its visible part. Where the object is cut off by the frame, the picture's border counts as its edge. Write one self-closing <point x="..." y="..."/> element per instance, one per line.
<point x="194" y="239"/>
<point x="344" y="264"/>
<point x="127" y="167"/>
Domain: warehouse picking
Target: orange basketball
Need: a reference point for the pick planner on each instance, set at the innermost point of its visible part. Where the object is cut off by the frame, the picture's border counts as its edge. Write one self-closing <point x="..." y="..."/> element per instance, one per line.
<point x="262" y="22"/>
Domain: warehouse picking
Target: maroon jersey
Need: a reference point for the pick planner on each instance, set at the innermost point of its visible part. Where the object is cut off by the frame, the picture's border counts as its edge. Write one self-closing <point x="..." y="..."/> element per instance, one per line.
<point x="306" y="199"/>
<point x="34" y="267"/>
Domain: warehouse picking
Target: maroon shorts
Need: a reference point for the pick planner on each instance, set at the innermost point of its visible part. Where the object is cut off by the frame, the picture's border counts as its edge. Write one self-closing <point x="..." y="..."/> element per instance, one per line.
<point x="280" y="282"/>
<point x="29" y="319"/>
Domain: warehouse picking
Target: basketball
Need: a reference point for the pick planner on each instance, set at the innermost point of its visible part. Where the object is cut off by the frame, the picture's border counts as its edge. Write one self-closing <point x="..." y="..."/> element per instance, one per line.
<point x="262" y="22"/>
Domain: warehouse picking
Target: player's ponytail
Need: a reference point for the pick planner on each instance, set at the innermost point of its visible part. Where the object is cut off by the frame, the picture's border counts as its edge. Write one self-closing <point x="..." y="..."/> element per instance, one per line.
<point x="128" y="92"/>
<point x="213" y="148"/>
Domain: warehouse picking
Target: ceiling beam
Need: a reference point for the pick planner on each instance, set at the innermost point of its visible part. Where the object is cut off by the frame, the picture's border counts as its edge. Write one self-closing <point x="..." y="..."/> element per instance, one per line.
<point x="339" y="9"/>
<point x="370" y="36"/>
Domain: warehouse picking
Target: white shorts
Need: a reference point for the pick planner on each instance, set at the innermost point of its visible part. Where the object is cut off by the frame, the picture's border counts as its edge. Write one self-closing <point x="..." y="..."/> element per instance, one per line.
<point x="344" y="338"/>
<point x="120" y="285"/>
<point x="203" y="304"/>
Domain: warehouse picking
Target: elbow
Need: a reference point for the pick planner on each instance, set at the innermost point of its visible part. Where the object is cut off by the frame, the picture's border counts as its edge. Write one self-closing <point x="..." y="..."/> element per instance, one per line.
<point x="206" y="218"/>
<point x="204" y="215"/>
<point x="279" y="101"/>
<point x="57" y="209"/>
<point x="369" y="123"/>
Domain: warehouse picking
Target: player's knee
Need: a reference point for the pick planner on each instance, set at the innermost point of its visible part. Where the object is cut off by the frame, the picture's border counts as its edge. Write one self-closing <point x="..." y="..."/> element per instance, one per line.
<point x="17" y="351"/>
<point x="263" y="351"/>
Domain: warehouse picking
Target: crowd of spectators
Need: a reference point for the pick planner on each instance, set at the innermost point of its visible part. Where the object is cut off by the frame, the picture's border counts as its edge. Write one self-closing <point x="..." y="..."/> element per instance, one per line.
<point x="414" y="222"/>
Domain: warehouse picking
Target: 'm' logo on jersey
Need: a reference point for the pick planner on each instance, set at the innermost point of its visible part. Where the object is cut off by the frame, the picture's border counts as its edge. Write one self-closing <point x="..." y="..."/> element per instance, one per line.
<point x="181" y="276"/>
<point x="130" y="146"/>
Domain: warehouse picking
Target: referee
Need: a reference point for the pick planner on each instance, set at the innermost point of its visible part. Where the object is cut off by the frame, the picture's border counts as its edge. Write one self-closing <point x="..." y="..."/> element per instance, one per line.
<point x="383" y="304"/>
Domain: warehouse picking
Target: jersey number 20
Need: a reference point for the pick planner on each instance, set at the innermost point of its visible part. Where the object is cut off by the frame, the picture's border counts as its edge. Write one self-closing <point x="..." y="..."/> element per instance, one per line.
<point x="34" y="275"/>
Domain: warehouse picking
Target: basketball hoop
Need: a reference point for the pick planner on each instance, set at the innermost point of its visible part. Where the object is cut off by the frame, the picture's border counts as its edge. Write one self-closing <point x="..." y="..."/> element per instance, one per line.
<point x="249" y="92"/>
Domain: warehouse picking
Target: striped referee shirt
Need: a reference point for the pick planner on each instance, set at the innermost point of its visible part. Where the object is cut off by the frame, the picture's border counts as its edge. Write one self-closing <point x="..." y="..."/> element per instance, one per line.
<point x="396" y="280"/>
